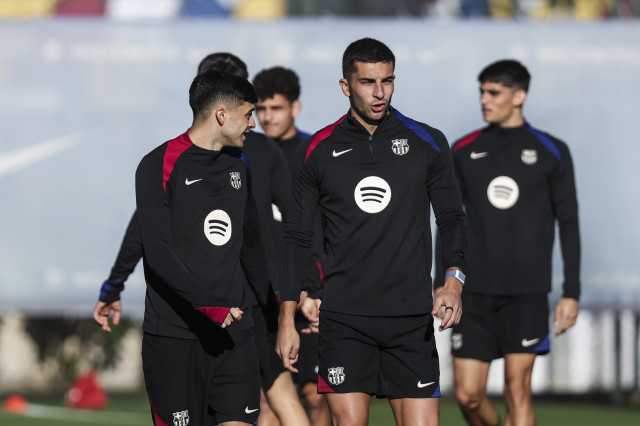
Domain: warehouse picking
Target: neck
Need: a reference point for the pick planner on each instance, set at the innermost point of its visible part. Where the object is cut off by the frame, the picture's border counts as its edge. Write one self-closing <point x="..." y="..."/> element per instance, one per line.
<point x="515" y="120"/>
<point x="202" y="137"/>
<point x="370" y="126"/>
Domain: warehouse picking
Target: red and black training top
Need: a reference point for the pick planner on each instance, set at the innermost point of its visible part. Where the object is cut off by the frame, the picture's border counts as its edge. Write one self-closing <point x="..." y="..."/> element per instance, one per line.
<point x="200" y="238"/>
<point x="374" y="193"/>
<point x="517" y="184"/>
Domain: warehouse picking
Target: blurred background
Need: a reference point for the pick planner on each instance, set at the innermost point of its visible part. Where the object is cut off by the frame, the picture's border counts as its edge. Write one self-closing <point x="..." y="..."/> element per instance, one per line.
<point x="87" y="87"/>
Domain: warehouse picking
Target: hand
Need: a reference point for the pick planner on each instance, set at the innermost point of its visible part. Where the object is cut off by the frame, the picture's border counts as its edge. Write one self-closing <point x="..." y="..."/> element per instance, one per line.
<point x="288" y="340"/>
<point x="234" y="314"/>
<point x="311" y="309"/>
<point x="566" y="314"/>
<point x="312" y="328"/>
<point x="101" y="314"/>
<point x="447" y="304"/>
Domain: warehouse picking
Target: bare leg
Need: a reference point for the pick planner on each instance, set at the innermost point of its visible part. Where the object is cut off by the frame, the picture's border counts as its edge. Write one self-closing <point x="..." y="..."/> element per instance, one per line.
<point x="349" y="409"/>
<point x="267" y="416"/>
<point x="471" y="390"/>
<point x="315" y="405"/>
<point x="517" y="389"/>
<point x="416" y="411"/>
<point x="284" y="401"/>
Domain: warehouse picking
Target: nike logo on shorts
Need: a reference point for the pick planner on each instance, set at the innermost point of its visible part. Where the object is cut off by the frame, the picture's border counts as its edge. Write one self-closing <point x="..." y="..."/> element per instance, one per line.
<point x="246" y="410"/>
<point x="424" y="385"/>
<point x="475" y="155"/>
<point x="526" y="343"/>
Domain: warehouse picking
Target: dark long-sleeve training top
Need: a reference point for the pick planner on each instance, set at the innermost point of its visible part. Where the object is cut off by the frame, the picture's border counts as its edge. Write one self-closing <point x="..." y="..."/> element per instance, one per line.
<point x="373" y="193"/>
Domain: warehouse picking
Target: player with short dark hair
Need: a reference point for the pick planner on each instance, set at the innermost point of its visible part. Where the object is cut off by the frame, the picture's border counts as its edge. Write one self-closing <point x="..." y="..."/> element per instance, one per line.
<point x="517" y="182"/>
<point x="372" y="175"/>
<point x="277" y="108"/>
<point x="202" y="249"/>
<point x="270" y="182"/>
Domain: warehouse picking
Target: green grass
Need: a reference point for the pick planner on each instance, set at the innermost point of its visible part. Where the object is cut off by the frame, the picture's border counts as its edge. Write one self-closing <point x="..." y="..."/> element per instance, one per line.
<point x="134" y="411"/>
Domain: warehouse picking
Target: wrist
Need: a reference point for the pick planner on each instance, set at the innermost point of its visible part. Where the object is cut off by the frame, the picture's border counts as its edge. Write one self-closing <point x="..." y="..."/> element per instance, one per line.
<point x="455" y="273"/>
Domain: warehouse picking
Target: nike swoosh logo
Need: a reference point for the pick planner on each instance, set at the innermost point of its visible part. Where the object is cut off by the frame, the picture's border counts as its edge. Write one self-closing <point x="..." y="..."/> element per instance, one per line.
<point x="526" y="343"/>
<point x="246" y="410"/>
<point x="475" y="155"/>
<point x="424" y="385"/>
<point x="189" y="182"/>
<point x="337" y="154"/>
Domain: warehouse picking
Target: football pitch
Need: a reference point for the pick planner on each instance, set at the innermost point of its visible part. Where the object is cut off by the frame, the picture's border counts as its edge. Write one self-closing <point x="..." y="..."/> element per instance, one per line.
<point x="134" y="411"/>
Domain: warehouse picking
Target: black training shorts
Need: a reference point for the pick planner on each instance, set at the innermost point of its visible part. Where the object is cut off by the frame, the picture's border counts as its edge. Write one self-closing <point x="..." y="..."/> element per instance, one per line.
<point x="493" y="326"/>
<point x="383" y="356"/>
<point x="201" y="383"/>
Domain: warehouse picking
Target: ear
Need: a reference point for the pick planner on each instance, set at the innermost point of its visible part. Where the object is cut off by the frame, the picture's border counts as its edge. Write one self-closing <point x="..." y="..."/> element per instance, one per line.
<point x="519" y="97"/>
<point x="221" y="115"/>
<point x="344" y="85"/>
<point x="296" y="107"/>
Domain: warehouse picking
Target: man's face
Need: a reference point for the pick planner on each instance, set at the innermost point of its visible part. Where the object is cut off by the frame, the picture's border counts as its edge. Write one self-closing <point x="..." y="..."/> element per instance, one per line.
<point x="276" y="116"/>
<point x="239" y="122"/>
<point x="369" y="90"/>
<point x="501" y="105"/>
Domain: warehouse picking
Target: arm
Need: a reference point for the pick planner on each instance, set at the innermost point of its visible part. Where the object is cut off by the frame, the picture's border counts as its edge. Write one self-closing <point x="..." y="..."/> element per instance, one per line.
<point x="126" y="261"/>
<point x="154" y="220"/>
<point x="298" y="234"/>
<point x="447" y="207"/>
<point x="565" y="205"/>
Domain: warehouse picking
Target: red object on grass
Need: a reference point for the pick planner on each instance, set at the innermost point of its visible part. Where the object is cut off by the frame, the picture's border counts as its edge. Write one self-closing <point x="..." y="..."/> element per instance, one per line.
<point x="86" y="393"/>
<point x="15" y="404"/>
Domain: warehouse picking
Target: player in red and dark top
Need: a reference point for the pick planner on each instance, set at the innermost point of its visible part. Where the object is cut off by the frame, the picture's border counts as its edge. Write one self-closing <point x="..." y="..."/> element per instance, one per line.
<point x="517" y="182"/>
<point x="372" y="176"/>
<point x="201" y="241"/>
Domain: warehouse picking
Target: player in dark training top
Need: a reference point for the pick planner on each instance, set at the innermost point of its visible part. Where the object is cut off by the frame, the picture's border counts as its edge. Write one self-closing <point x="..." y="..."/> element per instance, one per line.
<point x="372" y="176"/>
<point x="517" y="183"/>
<point x="202" y="249"/>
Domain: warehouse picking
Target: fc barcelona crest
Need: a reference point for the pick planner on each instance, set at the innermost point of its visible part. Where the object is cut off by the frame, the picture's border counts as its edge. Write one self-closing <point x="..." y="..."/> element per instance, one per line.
<point x="529" y="156"/>
<point x="235" y="180"/>
<point x="336" y="375"/>
<point x="181" y="418"/>
<point x="400" y="146"/>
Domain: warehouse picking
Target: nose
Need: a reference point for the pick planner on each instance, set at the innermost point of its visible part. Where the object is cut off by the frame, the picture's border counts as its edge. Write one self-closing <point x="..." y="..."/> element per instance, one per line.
<point x="378" y="92"/>
<point x="252" y="123"/>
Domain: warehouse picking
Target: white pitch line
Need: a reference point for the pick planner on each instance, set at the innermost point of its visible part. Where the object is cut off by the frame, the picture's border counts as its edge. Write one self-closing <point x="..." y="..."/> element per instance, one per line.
<point x="84" y="416"/>
<point x="24" y="157"/>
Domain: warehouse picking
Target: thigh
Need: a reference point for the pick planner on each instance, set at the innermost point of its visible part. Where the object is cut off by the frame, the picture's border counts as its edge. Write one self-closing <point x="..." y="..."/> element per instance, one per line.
<point x="270" y="363"/>
<point x="234" y="388"/>
<point x="348" y="355"/>
<point x="470" y="376"/>
<point x="415" y="411"/>
<point x="175" y="379"/>
<point x="524" y="321"/>
<point x="409" y="364"/>
<point x="476" y="336"/>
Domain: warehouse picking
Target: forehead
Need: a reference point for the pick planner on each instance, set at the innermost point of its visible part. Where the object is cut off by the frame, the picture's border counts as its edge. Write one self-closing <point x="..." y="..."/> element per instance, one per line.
<point x="373" y="69"/>
<point x="245" y="107"/>
<point x="495" y="86"/>
<point x="276" y="100"/>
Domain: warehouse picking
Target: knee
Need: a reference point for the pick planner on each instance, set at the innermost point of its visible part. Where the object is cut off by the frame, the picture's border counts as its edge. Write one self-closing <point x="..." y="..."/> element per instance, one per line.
<point x="311" y="399"/>
<point x="469" y="401"/>
<point x="517" y="392"/>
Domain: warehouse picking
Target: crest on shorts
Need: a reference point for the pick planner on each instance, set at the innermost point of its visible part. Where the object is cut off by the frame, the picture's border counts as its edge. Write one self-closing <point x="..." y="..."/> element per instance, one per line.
<point x="181" y="418"/>
<point x="400" y="146"/>
<point x="235" y="180"/>
<point x="456" y="341"/>
<point x="529" y="156"/>
<point x="336" y="375"/>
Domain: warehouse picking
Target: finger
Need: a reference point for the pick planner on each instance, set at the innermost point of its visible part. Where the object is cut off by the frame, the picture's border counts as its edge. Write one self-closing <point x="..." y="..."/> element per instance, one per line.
<point x="116" y="317"/>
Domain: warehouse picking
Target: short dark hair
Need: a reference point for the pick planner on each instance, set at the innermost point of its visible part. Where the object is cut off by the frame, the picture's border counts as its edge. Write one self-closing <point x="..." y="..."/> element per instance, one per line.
<point x="277" y="81"/>
<point x="224" y="61"/>
<point x="509" y="72"/>
<point x="367" y="50"/>
<point x="217" y="87"/>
